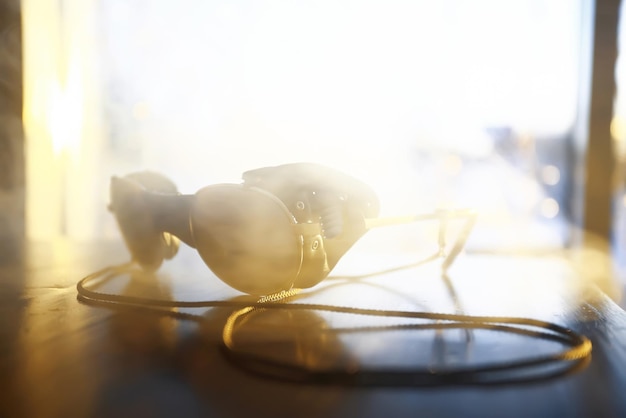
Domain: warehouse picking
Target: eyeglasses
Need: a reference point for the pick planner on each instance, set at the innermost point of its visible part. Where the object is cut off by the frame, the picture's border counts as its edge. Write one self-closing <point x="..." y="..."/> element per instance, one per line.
<point x="284" y="227"/>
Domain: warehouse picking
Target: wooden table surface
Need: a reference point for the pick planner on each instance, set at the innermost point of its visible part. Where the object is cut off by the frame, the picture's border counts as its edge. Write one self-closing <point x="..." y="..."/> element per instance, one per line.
<point x="64" y="358"/>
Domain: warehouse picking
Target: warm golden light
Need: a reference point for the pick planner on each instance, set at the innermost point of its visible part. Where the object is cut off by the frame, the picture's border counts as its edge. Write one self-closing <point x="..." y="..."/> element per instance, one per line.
<point x="618" y="128"/>
<point x="65" y="111"/>
<point x="385" y="106"/>
<point x="61" y="118"/>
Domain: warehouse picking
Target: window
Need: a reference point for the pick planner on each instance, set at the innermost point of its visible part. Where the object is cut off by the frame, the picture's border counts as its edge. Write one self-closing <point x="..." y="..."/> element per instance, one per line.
<point x="434" y="104"/>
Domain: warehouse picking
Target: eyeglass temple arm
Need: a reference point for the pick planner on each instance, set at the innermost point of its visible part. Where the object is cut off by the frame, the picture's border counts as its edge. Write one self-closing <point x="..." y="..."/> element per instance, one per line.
<point x="444" y="216"/>
<point x="170" y="213"/>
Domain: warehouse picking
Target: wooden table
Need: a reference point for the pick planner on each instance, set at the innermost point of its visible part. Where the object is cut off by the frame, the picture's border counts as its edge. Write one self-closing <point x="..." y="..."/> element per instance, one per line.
<point x="64" y="358"/>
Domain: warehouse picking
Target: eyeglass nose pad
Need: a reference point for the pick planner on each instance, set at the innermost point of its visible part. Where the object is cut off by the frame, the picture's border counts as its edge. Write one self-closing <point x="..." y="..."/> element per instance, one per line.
<point x="131" y="205"/>
<point x="247" y="237"/>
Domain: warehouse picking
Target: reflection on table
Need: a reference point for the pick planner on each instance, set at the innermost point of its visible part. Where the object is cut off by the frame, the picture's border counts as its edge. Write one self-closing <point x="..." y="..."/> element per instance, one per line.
<point x="66" y="358"/>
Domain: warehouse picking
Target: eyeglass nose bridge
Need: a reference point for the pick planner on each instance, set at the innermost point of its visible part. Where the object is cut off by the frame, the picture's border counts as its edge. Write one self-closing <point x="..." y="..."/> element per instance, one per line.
<point x="132" y="201"/>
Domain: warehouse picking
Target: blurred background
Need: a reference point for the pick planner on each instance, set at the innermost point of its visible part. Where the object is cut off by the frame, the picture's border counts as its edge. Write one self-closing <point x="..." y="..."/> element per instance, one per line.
<point x="483" y="104"/>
